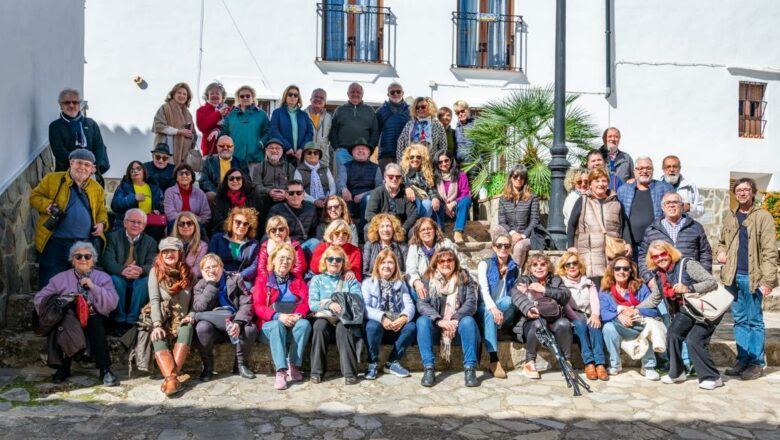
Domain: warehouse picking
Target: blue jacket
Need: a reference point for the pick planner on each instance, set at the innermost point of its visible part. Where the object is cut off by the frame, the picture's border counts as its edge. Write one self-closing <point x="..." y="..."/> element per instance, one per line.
<point x="401" y="303"/>
<point x="658" y="188"/>
<point x="493" y="276"/>
<point x="124" y="200"/>
<point x="391" y="119"/>
<point x="246" y="265"/>
<point x="281" y="127"/>
<point x="209" y="178"/>
<point x="609" y="309"/>
<point x="463" y="153"/>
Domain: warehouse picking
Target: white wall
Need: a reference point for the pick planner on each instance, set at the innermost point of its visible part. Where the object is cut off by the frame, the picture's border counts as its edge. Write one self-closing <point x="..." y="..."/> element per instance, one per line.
<point x="42" y="53"/>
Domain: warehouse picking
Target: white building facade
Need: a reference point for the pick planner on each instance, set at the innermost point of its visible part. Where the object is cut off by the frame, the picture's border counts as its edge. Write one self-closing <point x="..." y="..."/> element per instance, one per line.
<point x="667" y="73"/>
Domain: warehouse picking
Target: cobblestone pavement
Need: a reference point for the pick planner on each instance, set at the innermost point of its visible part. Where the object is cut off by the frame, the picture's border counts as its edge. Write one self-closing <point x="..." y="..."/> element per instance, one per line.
<point x="626" y="407"/>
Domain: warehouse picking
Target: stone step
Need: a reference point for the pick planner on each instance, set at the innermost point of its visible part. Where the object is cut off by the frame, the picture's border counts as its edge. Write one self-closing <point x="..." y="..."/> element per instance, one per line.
<point x="22" y="348"/>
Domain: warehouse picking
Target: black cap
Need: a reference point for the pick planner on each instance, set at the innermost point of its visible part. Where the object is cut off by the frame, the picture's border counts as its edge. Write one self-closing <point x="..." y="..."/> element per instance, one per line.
<point x="162" y="148"/>
<point x="274" y="141"/>
<point x="359" y="142"/>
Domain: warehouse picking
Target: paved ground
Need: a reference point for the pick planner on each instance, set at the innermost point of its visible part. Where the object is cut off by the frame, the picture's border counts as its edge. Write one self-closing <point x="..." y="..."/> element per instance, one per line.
<point x="627" y="407"/>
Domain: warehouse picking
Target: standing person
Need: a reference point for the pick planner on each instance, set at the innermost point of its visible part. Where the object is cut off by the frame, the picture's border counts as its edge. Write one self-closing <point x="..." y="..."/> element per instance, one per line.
<point x="384" y="232"/>
<point x="72" y="130"/>
<point x="82" y="200"/>
<point x="391" y="198"/>
<point x="747" y="249"/>
<point x="321" y="121"/>
<point x="496" y="276"/>
<point x="301" y="217"/>
<point x="453" y="194"/>
<point x="447" y="313"/>
<point x="576" y="184"/>
<point x="641" y="201"/>
<point x="391" y="119"/>
<point x="353" y="120"/>
<point x="518" y="213"/>
<point x="390" y="313"/>
<point x="137" y="191"/>
<point x="418" y="178"/>
<point x="173" y="122"/>
<point x="194" y="248"/>
<point x="271" y="176"/>
<point x="465" y="122"/>
<point x="216" y="166"/>
<point x="81" y="282"/>
<point x="618" y="162"/>
<point x="160" y="168"/>
<point x="693" y="204"/>
<point x="318" y="183"/>
<point x="291" y="124"/>
<point x="423" y="129"/>
<point x="596" y="160"/>
<point x="361" y="176"/>
<point x="247" y="124"/>
<point x="209" y="117"/>
<point x="445" y="117"/>
<point x="336" y="209"/>
<point x="184" y="196"/>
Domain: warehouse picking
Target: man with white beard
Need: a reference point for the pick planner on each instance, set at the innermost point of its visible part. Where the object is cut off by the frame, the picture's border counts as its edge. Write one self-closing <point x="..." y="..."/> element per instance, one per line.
<point x="692" y="203"/>
<point x="617" y="162"/>
<point x="217" y="165"/>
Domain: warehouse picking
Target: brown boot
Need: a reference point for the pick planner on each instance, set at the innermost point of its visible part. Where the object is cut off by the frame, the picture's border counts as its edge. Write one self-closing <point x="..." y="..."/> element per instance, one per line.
<point x="497" y="370"/>
<point x="166" y="365"/>
<point x="180" y="352"/>
<point x="590" y="372"/>
<point x="602" y="373"/>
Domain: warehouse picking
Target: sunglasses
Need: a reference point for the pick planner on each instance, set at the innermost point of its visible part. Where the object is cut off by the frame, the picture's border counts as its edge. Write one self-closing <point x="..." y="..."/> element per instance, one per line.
<point x="503" y="246"/>
<point x="395" y="92"/>
<point x="312" y="152"/>
<point x="622" y="268"/>
<point x="571" y="265"/>
<point x="393" y="176"/>
<point x="342" y="233"/>
<point x="136" y="169"/>
<point x="446" y="261"/>
<point x="85" y="257"/>
<point x="277" y="230"/>
<point x="235" y="178"/>
<point x="415" y="157"/>
<point x="517" y="177"/>
<point x="160" y="157"/>
<point x="186" y="224"/>
<point x="582" y="182"/>
<point x="460" y="112"/>
<point x="225" y="146"/>
<point x="663" y="254"/>
<point x="292" y="95"/>
<point x="295" y="193"/>
<point x="422" y="107"/>
<point x="240" y="224"/>
<point x="244" y="96"/>
<point x="70" y="102"/>
<point x="183" y="173"/>
<point x="445" y="161"/>
<point x="334" y="260"/>
<point x="333" y="207"/>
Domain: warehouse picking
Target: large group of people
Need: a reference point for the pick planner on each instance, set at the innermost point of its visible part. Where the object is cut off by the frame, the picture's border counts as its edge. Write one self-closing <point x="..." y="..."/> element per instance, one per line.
<point x="292" y="237"/>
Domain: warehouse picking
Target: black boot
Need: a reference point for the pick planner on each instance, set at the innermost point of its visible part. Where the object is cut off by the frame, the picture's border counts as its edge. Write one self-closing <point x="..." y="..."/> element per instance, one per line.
<point x="245" y="372"/>
<point x="208" y="369"/>
<point x="471" y="377"/>
<point x="63" y="371"/>
<point x="108" y="377"/>
<point x="429" y="377"/>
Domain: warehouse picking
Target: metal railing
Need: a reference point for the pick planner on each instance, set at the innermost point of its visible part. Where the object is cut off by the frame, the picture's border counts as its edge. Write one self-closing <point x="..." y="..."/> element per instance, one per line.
<point x="354" y="33"/>
<point x="487" y="41"/>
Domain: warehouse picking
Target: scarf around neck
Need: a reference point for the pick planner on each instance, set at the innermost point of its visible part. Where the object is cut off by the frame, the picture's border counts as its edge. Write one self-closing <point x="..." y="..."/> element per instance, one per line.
<point x="185" y="197"/>
<point x="315" y="184"/>
<point x="621" y="300"/>
<point x="76" y="126"/>
<point x="222" y="294"/>
<point x="447" y="289"/>
<point x="448" y="188"/>
<point x="667" y="286"/>
<point x="237" y="198"/>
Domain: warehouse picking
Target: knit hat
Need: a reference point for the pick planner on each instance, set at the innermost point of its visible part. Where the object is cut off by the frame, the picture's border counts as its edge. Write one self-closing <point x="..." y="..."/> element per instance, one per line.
<point x="170" y="244"/>
<point x="82" y="154"/>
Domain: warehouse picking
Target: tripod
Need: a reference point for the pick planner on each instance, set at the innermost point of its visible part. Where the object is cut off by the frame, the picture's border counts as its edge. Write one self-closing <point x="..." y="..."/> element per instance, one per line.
<point x="573" y="380"/>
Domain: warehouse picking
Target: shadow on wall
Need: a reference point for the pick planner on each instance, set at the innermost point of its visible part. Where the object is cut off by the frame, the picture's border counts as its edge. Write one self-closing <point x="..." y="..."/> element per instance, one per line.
<point x="124" y="146"/>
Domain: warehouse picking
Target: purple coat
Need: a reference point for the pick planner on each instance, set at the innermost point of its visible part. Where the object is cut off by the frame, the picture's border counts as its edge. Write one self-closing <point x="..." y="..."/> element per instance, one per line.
<point x="199" y="205"/>
<point x="463" y="187"/>
<point x="103" y="296"/>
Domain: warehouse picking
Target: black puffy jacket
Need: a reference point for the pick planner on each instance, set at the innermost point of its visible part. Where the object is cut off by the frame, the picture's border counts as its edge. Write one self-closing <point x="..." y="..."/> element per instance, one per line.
<point x="691" y="242"/>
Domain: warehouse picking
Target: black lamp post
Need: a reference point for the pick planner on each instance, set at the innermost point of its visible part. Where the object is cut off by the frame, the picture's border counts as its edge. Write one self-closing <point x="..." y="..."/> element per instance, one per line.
<point x="559" y="164"/>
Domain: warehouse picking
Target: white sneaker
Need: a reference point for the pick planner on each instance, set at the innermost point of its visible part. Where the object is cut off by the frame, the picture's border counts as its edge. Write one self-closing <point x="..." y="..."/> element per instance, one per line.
<point x="650" y="374"/>
<point x="711" y="384"/>
<point x="614" y="371"/>
<point x="679" y="379"/>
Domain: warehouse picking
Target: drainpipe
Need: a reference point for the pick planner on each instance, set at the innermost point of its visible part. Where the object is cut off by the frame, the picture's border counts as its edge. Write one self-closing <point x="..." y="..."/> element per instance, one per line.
<point x="608" y="46"/>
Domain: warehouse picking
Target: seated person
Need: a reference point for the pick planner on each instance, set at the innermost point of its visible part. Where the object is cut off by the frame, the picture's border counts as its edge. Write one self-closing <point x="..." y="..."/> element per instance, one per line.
<point x="184" y="196"/>
<point x="195" y="248"/>
<point x="277" y="233"/>
<point x="223" y="312"/>
<point x="137" y="191"/>
<point x="217" y="165"/>
<point x="361" y="176"/>
<point x="339" y="234"/>
<point x="453" y="195"/>
<point x="160" y="169"/>
<point x="301" y="217"/>
<point x="391" y="198"/>
<point x="384" y="232"/>
<point x="318" y="183"/>
<point x="237" y="246"/>
<point x="335" y="209"/>
<point x="418" y="178"/>
<point x="128" y="258"/>
<point x="426" y="239"/>
<point x="235" y="190"/>
<point x="270" y="176"/>
<point x="83" y="283"/>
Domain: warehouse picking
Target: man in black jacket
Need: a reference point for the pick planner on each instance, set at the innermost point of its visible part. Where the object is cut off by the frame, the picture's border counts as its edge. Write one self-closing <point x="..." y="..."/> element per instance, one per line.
<point x="301" y="216"/>
<point x="677" y="228"/>
<point x="391" y="198"/>
<point x="160" y="169"/>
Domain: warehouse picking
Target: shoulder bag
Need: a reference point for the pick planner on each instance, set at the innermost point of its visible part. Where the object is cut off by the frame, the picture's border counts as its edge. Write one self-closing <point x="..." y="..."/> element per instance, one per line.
<point x="613" y="246"/>
<point x="706" y="306"/>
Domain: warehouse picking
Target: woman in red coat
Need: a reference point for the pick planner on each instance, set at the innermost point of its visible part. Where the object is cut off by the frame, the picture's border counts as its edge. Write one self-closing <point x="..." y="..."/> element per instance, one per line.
<point x="278" y="232"/>
<point x="339" y="233"/>
<point x="209" y="116"/>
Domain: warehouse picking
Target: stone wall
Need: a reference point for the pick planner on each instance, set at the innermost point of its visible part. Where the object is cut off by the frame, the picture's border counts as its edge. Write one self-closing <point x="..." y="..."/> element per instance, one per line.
<point x="18" y="273"/>
<point x="716" y="203"/>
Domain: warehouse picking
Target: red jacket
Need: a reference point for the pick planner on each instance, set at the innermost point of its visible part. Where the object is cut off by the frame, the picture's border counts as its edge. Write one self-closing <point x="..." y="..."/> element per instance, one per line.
<point x="261" y="300"/>
<point x="207" y="119"/>
<point x="300" y="260"/>
<point x="353" y="255"/>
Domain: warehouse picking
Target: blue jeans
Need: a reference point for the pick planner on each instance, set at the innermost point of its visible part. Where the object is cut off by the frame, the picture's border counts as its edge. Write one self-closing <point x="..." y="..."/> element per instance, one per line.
<point x="359" y="211"/>
<point x="489" y="325"/>
<point x="614" y="332"/>
<point x="276" y="335"/>
<point x="375" y="334"/>
<point x="342" y="157"/>
<point x="139" y="296"/>
<point x="461" y="214"/>
<point x="748" y="322"/>
<point x="423" y="208"/>
<point x="429" y="333"/>
<point x="591" y="342"/>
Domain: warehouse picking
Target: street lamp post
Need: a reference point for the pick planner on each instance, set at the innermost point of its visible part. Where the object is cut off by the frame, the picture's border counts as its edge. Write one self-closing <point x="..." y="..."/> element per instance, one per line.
<point x="559" y="164"/>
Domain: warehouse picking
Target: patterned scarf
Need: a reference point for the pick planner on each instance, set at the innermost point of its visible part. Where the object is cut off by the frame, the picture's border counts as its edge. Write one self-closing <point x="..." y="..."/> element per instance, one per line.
<point x="76" y="125"/>
<point x="386" y="295"/>
<point x="315" y="184"/>
<point x="666" y="285"/>
<point x="447" y="289"/>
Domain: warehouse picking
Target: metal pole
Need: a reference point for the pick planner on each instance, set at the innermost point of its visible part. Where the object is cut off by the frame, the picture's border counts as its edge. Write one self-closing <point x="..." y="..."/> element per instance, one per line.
<point x="559" y="164"/>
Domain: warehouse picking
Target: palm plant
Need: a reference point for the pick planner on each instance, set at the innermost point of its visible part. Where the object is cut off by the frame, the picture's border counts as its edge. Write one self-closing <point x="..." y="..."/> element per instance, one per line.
<point x="519" y="130"/>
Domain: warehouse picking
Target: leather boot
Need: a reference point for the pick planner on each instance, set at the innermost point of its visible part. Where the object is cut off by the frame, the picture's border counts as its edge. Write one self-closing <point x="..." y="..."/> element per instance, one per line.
<point x="180" y="352"/>
<point x="166" y="365"/>
<point x="497" y="370"/>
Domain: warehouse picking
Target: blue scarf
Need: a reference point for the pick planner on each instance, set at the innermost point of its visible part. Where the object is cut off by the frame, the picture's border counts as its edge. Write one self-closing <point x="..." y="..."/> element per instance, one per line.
<point x="76" y="125"/>
<point x="222" y="294"/>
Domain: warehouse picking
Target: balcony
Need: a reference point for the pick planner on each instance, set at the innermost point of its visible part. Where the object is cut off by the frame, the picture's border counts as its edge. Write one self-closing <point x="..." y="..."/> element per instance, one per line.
<point x="487" y="41"/>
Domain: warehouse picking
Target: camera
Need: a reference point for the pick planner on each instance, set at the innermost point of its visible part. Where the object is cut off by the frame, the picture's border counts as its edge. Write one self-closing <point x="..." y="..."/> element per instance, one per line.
<point x="55" y="217"/>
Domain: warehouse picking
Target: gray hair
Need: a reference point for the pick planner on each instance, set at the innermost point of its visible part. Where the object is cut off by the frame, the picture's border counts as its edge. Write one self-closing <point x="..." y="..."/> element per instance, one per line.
<point x="643" y="158"/>
<point x="319" y="90"/>
<point x="217" y="85"/>
<point x="68" y="92"/>
<point x="461" y="104"/>
<point x="670" y="194"/>
<point x="394" y="84"/>
<point x="393" y="166"/>
<point x="354" y="84"/>
<point x="136" y="211"/>
<point x="82" y="245"/>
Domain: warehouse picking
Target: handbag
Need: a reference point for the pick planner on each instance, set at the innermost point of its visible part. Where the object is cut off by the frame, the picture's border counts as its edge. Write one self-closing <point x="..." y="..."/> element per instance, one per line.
<point x="613" y="246"/>
<point x="194" y="159"/>
<point x="548" y="308"/>
<point x="153" y="219"/>
<point x="708" y="306"/>
<point x="326" y="313"/>
<point x="280" y="307"/>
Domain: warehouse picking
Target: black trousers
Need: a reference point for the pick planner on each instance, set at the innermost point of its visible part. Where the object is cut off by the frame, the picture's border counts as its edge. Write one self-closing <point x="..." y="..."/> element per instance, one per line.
<point x="561" y="330"/>
<point x="324" y="333"/>
<point x="96" y="337"/>
<point x="208" y="335"/>
<point x="697" y="335"/>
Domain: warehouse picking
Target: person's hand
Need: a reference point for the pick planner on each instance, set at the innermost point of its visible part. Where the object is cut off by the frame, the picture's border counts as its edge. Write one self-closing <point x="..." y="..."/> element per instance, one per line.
<point x="287" y="319"/>
<point x="410" y="196"/>
<point x="319" y="203"/>
<point x="359" y="197"/>
<point x="140" y="197"/>
<point x="346" y="195"/>
<point x="419" y="287"/>
<point x="680" y="288"/>
<point x="97" y="230"/>
<point x="128" y="271"/>
<point x="298" y="154"/>
<point x="48" y="208"/>
<point x="523" y="288"/>
<point x="399" y="323"/>
<point x="157" y="334"/>
<point x="335" y="308"/>
<point x="452" y="205"/>
<point x="387" y="324"/>
<point x="765" y="290"/>
<point x="687" y="207"/>
<point x="278" y="195"/>
<point x="233" y="329"/>
<point x="722" y="258"/>
<point x="498" y="316"/>
<point x="573" y="250"/>
<point x="154" y="211"/>
<point x="223" y="111"/>
<point x="349" y="275"/>
<point x="536" y="287"/>
<point x="435" y="204"/>
<point x="517" y="237"/>
<point x="626" y="320"/>
<point x="628" y="250"/>
<point x="186" y="320"/>
<point x="213" y="135"/>
<point x="184" y="132"/>
<point x="449" y="326"/>
<point x="631" y="312"/>
<point x="86" y="282"/>
<point x="532" y="313"/>
<point x="594" y="321"/>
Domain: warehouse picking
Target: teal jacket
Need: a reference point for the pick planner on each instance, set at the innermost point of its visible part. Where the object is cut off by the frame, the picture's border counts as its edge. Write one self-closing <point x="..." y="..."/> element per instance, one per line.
<point x="249" y="130"/>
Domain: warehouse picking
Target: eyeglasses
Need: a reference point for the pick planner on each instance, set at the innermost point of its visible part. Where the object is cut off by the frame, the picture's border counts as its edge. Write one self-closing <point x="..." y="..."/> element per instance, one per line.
<point x="161" y="157"/>
<point x="395" y="92"/>
<point x="622" y="268"/>
<point x="415" y="157"/>
<point x="235" y="178"/>
<point x="186" y="224"/>
<point x="334" y="260"/>
<point x="283" y="258"/>
<point x="292" y="95"/>
<point x="183" y="173"/>
<point x="277" y="230"/>
<point x="295" y="193"/>
<point x="428" y="229"/>
<point x="240" y="224"/>
<point x="312" y="152"/>
<point x="571" y="265"/>
<point x="743" y="190"/>
<point x="317" y="98"/>
<point x="244" y="96"/>
<point x="393" y="176"/>
<point x="663" y="254"/>
<point x="446" y="260"/>
<point x="85" y="257"/>
<point x="644" y="168"/>
<point x="227" y="146"/>
<point x="135" y="222"/>
<point x="333" y="207"/>
<point x="504" y="246"/>
<point x="460" y="112"/>
<point x="70" y="102"/>
<point x="672" y="202"/>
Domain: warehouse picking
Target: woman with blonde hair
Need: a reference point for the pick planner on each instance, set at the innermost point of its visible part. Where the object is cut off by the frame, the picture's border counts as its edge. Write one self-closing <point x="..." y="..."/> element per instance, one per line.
<point x="237" y="246"/>
<point x="336" y="208"/>
<point x="424" y="128"/>
<point x="278" y="232"/>
<point x="173" y="122"/>
<point x="291" y="124"/>
<point x="418" y="178"/>
<point x="518" y="213"/>
<point x="576" y="184"/>
<point x="186" y="229"/>
<point x="384" y="232"/>
<point x="339" y="233"/>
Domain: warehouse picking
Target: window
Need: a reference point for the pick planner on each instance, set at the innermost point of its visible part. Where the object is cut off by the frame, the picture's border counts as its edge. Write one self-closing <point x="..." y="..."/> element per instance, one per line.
<point x="487" y="35"/>
<point x="751" y="109"/>
<point x="352" y="30"/>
